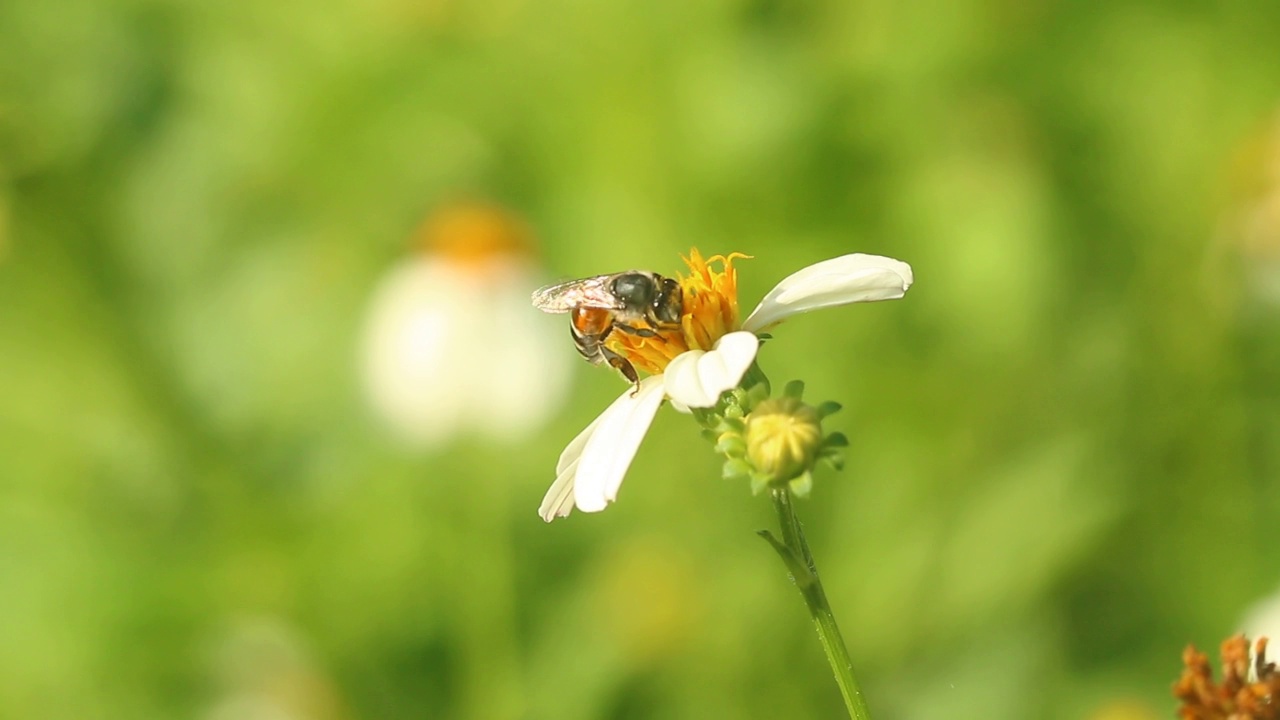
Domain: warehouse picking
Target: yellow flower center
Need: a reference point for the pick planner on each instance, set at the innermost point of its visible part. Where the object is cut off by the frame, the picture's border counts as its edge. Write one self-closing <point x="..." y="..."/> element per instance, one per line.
<point x="710" y="313"/>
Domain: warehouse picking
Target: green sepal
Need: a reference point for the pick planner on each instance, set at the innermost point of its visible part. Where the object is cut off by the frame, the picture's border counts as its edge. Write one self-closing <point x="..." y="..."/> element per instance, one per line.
<point x="835" y="440"/>
<point x="833" y="458"/>
<point x="710" y="435"/>
<point x="732" y="445"/>
<point x="756" y="395"/>
<point x="764" y="336"/>
<point x="755" y="377"/>
<point x="802" y="485"/>
<point x="759" y="483"/>
<point x="733" y="425"/>
<point x="706" y="417"/>
<point x="735" y="468"/>
<point x="829" y="407"/>
<point x="794" y="389"/>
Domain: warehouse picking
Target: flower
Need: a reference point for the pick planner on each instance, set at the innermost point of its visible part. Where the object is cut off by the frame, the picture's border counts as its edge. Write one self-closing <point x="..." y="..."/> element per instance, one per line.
<point x="783" y="436"/>
<point x="262" y="667"/>
<point x="706" y="356"/>
<point x="432" y="367"/>
<point x="1248" y="690"/>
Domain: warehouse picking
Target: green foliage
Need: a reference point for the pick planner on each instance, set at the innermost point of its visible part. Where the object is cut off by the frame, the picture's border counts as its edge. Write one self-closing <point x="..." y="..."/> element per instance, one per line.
<point x="1063" y="450"/>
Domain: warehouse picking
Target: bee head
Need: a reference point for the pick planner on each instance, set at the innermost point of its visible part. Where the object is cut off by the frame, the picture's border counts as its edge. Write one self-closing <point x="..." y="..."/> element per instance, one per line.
<point x="634" y="289"/>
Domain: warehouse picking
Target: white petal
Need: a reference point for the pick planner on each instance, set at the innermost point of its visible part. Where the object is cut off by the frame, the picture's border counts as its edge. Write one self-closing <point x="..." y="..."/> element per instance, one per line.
<point x="559" y="498"/>
<point x="573" y="450"/>
<point x="613" y="444"/>
<point x="696" y="378"/>
<point x="839" y="281"/>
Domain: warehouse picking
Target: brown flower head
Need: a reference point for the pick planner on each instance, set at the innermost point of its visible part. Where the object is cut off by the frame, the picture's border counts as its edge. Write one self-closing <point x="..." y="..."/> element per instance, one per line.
<point x="1237" y="696"/>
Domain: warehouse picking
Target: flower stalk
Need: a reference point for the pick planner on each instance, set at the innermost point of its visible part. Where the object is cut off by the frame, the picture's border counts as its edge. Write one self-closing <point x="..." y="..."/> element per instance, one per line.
<point x="775" y="443"/>
<point x="795" y="554"/>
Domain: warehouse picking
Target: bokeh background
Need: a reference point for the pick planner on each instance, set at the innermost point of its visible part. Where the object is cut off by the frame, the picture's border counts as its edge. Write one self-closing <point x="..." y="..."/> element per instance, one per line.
<point x="1064" y="441"/>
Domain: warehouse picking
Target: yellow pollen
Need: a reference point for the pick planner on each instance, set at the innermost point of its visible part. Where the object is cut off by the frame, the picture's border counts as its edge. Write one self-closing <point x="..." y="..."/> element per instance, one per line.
<point x="710" y="313"/>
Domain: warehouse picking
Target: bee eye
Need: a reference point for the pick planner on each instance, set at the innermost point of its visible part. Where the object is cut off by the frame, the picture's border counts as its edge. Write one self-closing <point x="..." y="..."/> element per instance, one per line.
<point x="633" y="289"/>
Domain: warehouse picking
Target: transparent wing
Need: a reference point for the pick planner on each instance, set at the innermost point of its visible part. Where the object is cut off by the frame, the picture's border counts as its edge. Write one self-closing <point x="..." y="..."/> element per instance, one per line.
<point x="587" y="292"/>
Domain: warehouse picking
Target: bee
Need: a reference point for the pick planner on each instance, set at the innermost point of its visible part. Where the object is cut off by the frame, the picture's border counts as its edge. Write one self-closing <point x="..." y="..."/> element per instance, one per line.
<point x="619" y="301"/>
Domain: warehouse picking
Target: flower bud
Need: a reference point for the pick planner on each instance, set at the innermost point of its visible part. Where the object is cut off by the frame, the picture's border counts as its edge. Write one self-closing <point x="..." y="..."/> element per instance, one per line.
<point x="783" y="438"/>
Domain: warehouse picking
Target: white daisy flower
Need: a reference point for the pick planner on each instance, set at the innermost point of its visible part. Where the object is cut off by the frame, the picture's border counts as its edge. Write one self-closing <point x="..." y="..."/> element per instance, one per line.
<point x="709" y="355"/>
<point x="431" y="358"/>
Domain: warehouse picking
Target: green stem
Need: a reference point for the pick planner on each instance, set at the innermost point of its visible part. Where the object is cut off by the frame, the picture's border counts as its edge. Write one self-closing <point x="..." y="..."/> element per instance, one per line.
<point x="805" y="574"/>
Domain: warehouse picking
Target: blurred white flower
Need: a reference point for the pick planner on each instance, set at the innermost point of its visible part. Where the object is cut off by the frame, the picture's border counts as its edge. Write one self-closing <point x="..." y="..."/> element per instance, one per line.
<point x="262" y="671"/>
<point x="1263" y="619"/>
<point x="709" y="355"/>
<point x="449" y="347"/>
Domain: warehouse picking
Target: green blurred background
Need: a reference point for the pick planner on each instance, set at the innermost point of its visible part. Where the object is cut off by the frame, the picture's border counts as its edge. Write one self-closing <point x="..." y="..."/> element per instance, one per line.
<point x="1065" y="439"/>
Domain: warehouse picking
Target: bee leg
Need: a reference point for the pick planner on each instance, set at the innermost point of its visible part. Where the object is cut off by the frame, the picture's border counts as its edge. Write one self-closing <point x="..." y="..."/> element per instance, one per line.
<point x="638" y="332"/>
<point x="651" y="317"/>
<point x="623" y="366"/>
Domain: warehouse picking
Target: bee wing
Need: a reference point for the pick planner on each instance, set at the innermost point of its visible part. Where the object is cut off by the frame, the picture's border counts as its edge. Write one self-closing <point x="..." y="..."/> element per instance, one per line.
<point x="587" y="292"/>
